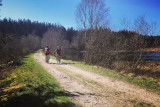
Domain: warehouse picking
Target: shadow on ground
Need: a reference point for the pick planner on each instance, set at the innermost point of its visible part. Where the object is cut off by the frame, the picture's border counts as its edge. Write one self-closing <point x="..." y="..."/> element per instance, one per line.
<point x="61" y="63"/>
<point x="42" y="96"/>
<point x="77" y="94"/>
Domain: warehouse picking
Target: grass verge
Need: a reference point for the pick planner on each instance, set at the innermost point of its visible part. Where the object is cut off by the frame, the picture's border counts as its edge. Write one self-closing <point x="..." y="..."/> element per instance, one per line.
<point x="142" y="81"/>
<point x="30" y="85"/>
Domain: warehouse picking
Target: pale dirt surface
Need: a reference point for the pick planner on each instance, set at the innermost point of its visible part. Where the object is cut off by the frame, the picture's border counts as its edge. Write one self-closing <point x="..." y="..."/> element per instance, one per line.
<point x="92" y="90"/>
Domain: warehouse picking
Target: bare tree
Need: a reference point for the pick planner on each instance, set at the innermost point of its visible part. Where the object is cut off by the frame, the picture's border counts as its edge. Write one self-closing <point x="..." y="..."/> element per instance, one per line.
<point x="143" y="27"/>
<point x="30" y="43"/>
<point x="92" y="18"/>
<point x="91" y="14"/>
<point x="125" y="23"/>
<point x="137" y="43"/>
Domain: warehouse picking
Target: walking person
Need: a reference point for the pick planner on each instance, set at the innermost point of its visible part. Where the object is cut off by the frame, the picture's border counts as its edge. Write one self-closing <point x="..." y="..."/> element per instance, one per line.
<point x="58" y="54"/>
<point x="47" y="53"/>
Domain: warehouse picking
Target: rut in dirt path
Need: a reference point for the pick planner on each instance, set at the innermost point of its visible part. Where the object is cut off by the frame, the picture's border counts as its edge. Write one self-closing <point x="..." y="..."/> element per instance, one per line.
<point x="92" y="90"/>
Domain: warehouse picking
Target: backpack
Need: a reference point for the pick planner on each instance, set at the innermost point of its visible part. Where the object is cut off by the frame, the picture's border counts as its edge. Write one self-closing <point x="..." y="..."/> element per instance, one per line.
<point x="59" y="51"/>
<point x="46" y="50"/>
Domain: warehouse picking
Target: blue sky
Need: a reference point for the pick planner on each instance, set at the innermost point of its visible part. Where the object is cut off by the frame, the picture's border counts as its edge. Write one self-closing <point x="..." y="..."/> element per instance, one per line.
<point x="63" y="11"/>
<point x="131" y="9"/>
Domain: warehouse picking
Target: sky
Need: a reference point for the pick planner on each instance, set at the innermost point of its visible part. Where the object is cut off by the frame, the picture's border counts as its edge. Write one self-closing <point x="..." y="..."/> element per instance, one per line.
<point x="63" y="11"/>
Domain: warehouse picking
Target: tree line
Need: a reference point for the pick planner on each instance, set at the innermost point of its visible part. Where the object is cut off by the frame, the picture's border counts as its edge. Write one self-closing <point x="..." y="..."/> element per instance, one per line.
<point x="18" y="38"/>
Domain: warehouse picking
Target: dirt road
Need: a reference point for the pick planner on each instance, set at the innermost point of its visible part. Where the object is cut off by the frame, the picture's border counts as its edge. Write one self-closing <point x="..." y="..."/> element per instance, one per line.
<point x="88" y="89"/>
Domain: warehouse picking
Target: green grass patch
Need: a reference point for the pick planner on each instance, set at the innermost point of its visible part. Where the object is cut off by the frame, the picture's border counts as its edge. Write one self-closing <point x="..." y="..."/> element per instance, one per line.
<point x="31" y="86"/>
<point x="147" y="83"/>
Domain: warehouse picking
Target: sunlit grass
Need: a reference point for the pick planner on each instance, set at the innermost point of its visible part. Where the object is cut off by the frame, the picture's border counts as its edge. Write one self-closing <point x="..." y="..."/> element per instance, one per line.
<point x="29" y="84"/>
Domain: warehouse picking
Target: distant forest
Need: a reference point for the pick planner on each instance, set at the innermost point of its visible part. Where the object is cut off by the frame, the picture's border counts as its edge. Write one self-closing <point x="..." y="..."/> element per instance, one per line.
<point x="24" y="27"/>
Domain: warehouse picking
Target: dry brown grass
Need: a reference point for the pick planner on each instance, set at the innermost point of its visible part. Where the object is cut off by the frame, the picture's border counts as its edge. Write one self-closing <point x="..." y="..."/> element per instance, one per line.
<point x="152" y="49"/>
<point x="148" y="68"/>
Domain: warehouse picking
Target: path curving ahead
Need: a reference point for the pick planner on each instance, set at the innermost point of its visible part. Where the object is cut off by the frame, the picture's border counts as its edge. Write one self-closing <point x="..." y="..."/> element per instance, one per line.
<point x="88" y="89"/>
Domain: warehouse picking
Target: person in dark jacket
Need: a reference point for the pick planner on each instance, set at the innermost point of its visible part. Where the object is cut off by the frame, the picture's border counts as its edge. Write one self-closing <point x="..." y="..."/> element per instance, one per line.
<point x="58" y="54"/>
